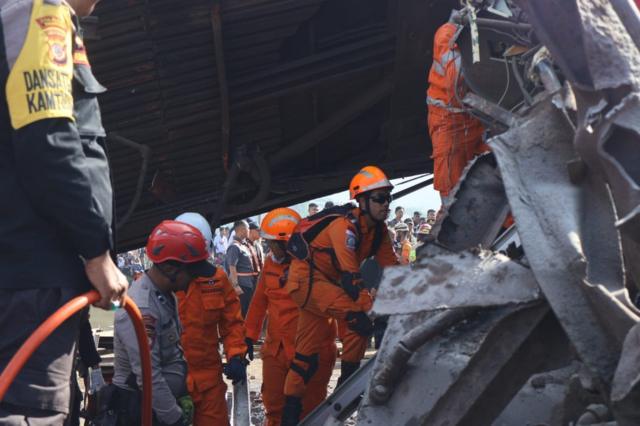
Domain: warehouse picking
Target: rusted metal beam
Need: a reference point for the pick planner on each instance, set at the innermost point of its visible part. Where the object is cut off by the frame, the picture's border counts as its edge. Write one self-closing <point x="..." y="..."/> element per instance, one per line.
<point x="223" y="88"/>
<point x="490" y="109"/>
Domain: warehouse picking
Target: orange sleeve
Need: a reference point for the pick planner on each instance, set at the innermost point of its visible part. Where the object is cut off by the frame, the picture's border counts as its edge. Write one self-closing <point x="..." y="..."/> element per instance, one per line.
<point x="406" y="253"/>
<point x="344" y="241"/>
<point x="258" y="308"/>
<point x="386" y="256"/>
<point x="231" y="327"/>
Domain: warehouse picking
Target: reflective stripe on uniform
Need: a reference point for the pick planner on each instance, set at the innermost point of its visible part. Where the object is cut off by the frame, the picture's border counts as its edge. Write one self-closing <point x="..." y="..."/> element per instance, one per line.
<point x="449" y="56"/>
<point x="439" y="103"/>
<point x="437" y="67"/>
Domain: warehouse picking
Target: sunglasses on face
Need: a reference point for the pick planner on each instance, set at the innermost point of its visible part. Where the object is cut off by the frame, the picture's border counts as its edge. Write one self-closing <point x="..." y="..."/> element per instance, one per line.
<point x="382" y="198"/>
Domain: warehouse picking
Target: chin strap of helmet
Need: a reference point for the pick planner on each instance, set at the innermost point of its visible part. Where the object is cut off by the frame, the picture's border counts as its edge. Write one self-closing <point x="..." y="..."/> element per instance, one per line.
<point x="367" y="209"/>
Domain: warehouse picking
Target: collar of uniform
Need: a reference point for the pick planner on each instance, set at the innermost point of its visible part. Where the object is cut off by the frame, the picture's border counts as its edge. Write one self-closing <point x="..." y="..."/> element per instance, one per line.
<point x="146" y="280"/>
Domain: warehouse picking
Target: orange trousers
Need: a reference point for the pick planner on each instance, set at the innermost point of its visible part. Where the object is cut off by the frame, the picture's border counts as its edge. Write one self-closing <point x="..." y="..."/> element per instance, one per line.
<point x="456" y="139"/>
<point x="354" y="346"/>
<point x="315" y="323"/>
<point x="274" y="374"/>
<point x="210" y="405"/>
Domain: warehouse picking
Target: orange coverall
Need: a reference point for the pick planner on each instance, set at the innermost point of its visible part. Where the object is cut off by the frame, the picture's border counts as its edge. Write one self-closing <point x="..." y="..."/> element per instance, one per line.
<point x="405" y="256"/>
<point x="210" y="312"/>
<point x="327" y="299"/>
<point x="271" y="301"/>
<point x="456" y="136"/>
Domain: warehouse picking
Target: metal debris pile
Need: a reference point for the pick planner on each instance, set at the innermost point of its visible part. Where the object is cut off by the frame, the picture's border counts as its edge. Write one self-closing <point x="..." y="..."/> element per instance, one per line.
<point x="536" y="326"/>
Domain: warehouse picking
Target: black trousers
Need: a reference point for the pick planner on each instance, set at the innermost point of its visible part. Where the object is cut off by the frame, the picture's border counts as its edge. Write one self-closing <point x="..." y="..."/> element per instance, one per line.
<point x="245" y="299"/>
<point x="41" y="391"/>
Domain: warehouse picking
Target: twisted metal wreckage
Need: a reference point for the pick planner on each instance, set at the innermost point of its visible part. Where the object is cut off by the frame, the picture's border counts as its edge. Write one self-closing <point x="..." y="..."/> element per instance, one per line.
<point x="536" y="327"/>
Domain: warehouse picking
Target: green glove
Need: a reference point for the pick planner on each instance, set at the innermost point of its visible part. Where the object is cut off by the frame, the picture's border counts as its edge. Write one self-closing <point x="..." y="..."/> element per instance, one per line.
<point x="186" y="404"/>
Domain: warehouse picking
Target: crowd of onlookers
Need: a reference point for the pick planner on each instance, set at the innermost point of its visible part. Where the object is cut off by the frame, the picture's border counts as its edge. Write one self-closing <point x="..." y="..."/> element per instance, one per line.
<point x="407" y="233"/>
<point x="239" y="249"/>
<point x="133" y="263"/>
<point x="410" y="232"/>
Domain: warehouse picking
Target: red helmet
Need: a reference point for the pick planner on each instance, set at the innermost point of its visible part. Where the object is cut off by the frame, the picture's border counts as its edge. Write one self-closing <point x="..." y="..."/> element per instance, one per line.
<point x="178" y="241"/>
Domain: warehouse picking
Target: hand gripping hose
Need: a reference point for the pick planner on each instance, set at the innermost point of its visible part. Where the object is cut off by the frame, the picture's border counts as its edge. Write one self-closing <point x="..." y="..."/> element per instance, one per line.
<point x="61" y="315"/>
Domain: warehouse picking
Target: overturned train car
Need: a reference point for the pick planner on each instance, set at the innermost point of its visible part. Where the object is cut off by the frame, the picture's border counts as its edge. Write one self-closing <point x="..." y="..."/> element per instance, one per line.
<point x="230" y="108"/>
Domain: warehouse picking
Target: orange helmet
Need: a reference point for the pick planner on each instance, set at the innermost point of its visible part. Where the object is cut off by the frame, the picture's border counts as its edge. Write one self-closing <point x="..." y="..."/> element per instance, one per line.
<point x="279" y="224"/>
<point x="368" y="179"/>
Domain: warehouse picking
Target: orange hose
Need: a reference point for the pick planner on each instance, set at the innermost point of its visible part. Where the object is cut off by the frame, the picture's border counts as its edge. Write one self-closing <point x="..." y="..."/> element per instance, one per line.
<point x="60" y="316"/>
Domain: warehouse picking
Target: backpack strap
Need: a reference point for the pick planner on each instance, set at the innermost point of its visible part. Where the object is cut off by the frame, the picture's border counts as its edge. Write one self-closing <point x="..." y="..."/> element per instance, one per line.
<point x="377" y="239"/>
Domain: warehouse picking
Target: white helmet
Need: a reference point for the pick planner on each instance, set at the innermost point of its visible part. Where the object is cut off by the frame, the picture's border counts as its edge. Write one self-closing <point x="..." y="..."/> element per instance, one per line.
<point x="198" y="221"/>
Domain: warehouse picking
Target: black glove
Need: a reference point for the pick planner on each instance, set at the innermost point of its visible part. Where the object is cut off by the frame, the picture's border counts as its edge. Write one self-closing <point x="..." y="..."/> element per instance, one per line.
<point x="360" y="323"/>
<point x="249" y="343"/>
<point x="236" y="370"/>
<point x="351" y="283"/>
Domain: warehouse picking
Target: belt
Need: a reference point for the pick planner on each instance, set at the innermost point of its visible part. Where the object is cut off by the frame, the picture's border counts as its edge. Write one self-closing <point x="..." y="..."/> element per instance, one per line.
<point x="439" y="103"/>
<point x="248" y="274"/>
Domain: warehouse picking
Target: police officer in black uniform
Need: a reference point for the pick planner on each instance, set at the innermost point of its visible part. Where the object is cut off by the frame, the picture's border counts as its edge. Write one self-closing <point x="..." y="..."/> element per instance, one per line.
<point x="55" y="198"/>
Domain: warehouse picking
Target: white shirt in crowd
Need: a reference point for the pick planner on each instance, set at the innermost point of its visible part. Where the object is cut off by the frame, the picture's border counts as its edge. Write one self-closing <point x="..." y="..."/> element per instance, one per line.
<point x="220" y="243"/>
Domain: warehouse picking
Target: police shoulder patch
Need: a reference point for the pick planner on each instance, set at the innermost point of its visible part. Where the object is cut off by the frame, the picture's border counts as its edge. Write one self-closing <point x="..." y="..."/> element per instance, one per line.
<point x="39" y="85"/>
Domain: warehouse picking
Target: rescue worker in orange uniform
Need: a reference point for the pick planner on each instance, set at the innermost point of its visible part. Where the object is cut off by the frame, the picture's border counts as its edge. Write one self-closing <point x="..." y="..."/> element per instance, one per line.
<point x="402" y="235"/>
<point x="329" y="285"/>
<point x="210" y="312"/>
<point x="272" y="302"/>
<point x="456" y="136"/>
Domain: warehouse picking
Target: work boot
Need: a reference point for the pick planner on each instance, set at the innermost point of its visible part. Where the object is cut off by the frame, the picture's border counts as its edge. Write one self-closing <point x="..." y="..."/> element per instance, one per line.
<point x="346" y="370"/>
<point x="291" y="412"/>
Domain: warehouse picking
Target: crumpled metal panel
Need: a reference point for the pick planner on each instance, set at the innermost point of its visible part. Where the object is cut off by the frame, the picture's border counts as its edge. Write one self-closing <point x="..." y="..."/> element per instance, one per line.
<point x="467" y="375"/>
<point x="608" y="140"/>
<point x="613" y="58"/>
<point x="568" y="236"/>
<point x="593" y="40"/>
<point x="587" y="40"/>
<point x="479" y="209"/>
<point x="627" y="378"/>
<point x="444" y="279"/>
